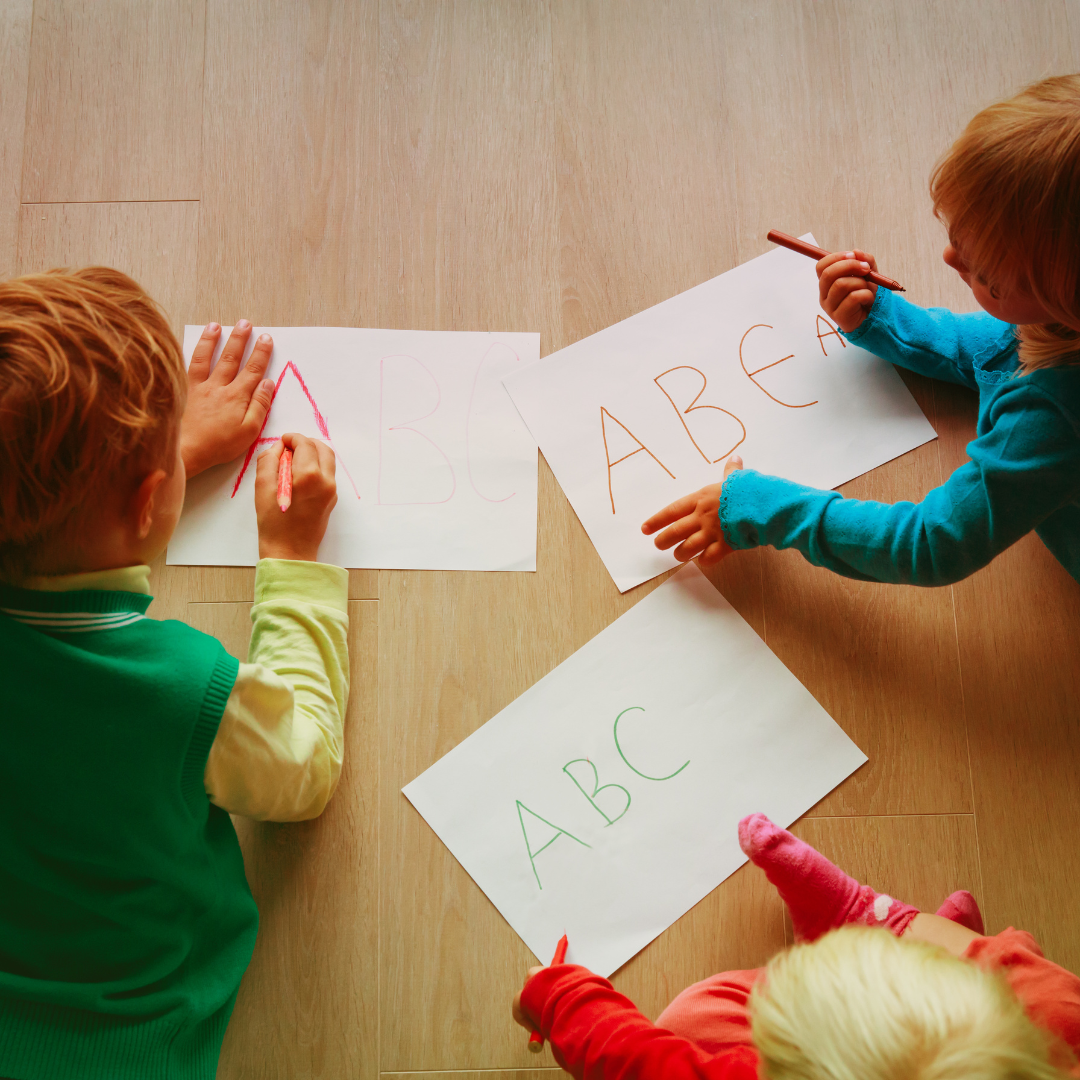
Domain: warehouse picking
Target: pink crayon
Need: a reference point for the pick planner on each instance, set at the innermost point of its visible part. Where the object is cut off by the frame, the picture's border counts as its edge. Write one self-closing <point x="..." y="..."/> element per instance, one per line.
<point x="284" y="480"/>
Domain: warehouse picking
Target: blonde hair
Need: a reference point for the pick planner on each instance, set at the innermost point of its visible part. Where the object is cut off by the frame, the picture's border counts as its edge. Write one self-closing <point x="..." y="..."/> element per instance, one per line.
<point x="860" y="1004"/>
<point x="1009" y="189"/>
<point x="92" y="386"/>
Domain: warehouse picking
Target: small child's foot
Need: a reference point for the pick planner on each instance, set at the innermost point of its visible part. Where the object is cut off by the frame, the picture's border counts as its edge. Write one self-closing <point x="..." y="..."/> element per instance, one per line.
<point x="961" y="908"/>
<point x="819" y="895"/>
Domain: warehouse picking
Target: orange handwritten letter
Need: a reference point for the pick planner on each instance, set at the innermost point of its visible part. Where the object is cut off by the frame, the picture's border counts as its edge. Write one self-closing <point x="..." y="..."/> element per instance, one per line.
<point x="694" y="406"/>
<point x="607" y="452"/>
<point x="831" y="332"/>
<point x="758" y="371"/>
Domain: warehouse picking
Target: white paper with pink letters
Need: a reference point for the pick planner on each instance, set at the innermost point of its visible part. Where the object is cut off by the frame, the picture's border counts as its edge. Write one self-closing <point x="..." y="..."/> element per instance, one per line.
<point x="435" y="468"/>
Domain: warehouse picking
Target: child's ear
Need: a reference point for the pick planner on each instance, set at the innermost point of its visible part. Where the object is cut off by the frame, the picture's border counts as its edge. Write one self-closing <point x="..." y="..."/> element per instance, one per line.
<point x="142" y="502"/>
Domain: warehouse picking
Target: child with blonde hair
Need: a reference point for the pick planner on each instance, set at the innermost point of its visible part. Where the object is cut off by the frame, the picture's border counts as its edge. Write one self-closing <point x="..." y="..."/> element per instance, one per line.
<point x="876" y="990"/>
<point x="126" y="921"/>
<point x="1009" y="193"/>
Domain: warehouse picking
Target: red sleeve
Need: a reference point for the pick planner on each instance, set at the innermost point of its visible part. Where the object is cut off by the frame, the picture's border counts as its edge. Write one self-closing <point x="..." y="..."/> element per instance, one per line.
<point x="597" y="1034"/>
<point x="1049" y="993"/>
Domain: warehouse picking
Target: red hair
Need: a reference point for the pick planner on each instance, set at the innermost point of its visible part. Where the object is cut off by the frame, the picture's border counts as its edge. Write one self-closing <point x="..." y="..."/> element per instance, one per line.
<point x="92" y="387"/>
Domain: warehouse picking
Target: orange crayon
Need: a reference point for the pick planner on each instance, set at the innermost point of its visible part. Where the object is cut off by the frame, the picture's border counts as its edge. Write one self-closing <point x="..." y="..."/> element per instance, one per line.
<point x="284" y="480"/>
<point x="803" y="248"/>
<point x="536" y="1040"/>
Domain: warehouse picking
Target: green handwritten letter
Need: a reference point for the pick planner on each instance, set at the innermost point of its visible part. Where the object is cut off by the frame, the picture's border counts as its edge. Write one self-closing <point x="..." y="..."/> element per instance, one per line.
<point x="596" y="789"/>
<point x="551" y="840"/>
<point x="645" y="776"/>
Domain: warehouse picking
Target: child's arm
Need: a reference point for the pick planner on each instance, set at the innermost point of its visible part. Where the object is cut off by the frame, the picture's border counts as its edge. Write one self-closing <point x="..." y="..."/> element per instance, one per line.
<point x="931" y="341"/>
<point x="278" y="751"/>
<point x="598" y="1034"/>
<point x="1022" y="470"/>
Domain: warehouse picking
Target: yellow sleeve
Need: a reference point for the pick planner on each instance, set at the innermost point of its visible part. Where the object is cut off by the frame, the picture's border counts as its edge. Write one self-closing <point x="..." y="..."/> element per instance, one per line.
<point x="277" y="754"/>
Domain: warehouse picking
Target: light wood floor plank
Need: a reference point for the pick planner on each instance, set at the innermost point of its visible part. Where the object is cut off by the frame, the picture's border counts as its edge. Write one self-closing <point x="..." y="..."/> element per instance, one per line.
<point x="115" y="101"/>
<point x="467" y="242"/>
<point x="15" y="20"/>
<point x="308" y="1005"/>
<point x="156" y="243"/>
<point x="289" y="203"/>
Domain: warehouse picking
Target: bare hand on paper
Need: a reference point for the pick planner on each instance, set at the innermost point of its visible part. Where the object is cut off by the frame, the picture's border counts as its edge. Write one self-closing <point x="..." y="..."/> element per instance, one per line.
<point x="694" y="523"/>
<point x="846" y="295"/>
<point x="297" y="532"/>
<point x="519" y="1014"/>
<point x="226" y="407"/>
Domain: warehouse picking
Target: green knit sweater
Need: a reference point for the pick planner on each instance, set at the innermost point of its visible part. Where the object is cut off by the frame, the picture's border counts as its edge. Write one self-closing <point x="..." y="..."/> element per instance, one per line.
<point x="126" y="921"/>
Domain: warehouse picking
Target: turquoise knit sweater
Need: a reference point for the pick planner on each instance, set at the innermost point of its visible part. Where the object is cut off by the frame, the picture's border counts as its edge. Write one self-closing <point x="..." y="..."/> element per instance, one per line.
<point x="126" y="921"/>
<point x="1024" y="471"/>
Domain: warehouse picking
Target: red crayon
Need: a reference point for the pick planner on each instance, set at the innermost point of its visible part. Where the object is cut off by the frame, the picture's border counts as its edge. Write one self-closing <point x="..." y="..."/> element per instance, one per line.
<point x="536" y="1040"/>
<point x="284" y="480"/>
<point x="803" y="248"/>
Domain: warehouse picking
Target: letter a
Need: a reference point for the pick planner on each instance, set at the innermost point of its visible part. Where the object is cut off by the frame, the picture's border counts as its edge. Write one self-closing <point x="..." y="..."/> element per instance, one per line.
<point x="607" y="452"/>
<point x="551" y="840"/>
<point x="831" y="332"/>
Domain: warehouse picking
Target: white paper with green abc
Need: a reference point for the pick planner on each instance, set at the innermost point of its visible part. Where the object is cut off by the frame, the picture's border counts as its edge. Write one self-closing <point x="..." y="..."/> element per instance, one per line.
<point x="603" y="802"/>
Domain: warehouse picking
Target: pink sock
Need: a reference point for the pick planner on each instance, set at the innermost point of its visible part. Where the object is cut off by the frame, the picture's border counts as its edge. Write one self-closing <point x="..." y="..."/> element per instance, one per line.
<point x="819" y="895"/>
<point x="961" y="908"/>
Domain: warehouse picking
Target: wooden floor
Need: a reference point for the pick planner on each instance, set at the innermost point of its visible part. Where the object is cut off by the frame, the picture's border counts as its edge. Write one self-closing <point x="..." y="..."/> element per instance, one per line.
<point x="557" y="165"/>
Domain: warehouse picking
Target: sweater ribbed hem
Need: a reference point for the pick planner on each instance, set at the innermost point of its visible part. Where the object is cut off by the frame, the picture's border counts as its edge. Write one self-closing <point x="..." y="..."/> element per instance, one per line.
<point x="49" y="1042"/>
<point x="222" y="680"/>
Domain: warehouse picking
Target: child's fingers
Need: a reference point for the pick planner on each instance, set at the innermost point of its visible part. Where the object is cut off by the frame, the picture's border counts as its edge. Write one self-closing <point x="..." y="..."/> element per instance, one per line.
<point x="678" y="532"/>
<point x="838" y="271"/>
<point x="229" y="362"/>
<point x="203" y="354"/>
<point x="679" y="508"/>
<point x="713" y="553"/>
<point x="692" y="546"/>
<point x="266" y="470"/>
<point x="258" y="407"/>
<point x="866" y="257"/>
<point x="327" y="460"/>
<point x="852" y="305"/>
<point x="257" y="362"/>
<point x="831" y="259"/>
<point x="840" y="291"/>
<point x="733" y="464"/>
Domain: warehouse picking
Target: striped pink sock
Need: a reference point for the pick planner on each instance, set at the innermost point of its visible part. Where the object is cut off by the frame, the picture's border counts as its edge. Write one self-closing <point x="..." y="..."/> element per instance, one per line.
<point x="819" y="895"/>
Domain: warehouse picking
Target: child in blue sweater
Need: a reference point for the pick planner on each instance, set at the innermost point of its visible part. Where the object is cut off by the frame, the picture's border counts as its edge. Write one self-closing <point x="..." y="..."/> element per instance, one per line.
<point x="1009" y="193"/>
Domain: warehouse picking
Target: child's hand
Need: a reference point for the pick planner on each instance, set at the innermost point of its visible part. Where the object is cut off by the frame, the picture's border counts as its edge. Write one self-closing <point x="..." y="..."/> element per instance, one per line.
<point x="297" y="532"/>
<point x="846" y="295"/>
<point x="226" y="407"/>
<point x="695" y="521"/>
<point x="519" y="1015"/>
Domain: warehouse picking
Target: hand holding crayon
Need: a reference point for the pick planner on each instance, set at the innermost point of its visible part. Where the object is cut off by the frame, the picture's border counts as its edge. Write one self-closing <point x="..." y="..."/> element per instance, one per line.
<point x="536" y="1040"/>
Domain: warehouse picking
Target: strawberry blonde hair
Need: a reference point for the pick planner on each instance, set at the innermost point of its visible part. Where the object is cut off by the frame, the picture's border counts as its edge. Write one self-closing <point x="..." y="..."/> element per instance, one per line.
<point x="92" y="386"/>
<point x="860" y="1004"/>
<point x="1009" y="190"/>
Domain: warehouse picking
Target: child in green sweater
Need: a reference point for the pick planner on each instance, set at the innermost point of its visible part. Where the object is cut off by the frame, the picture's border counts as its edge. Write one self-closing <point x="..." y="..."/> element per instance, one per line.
<point x="126" y="921"/>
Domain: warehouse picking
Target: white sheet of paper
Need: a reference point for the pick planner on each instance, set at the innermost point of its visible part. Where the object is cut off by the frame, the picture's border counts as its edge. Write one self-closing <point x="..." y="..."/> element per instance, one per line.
<point x="435" y="469"/>
<point x="668" y="394"/>
<point x="603" y="803"/>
